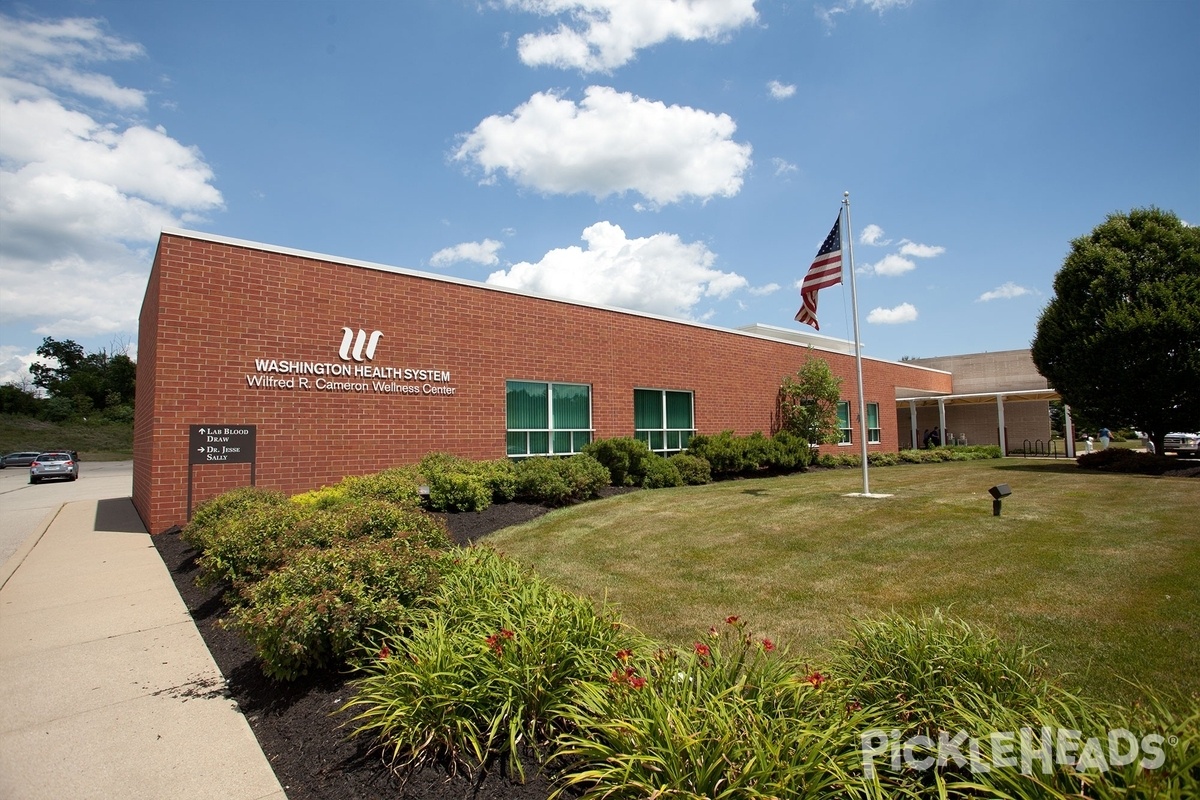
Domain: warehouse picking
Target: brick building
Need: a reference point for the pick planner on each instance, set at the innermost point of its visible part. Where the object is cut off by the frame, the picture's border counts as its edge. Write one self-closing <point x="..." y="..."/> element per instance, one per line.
<point x="292" y="370"/>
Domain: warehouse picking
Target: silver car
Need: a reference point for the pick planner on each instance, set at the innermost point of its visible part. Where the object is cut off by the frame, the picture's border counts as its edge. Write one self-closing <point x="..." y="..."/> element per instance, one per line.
<point x="54" y="465"/>
<point x="23" y="459"/>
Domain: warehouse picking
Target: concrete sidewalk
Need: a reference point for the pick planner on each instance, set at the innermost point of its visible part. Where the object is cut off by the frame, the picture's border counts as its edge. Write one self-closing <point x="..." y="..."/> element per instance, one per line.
<point x="106" y="687"/>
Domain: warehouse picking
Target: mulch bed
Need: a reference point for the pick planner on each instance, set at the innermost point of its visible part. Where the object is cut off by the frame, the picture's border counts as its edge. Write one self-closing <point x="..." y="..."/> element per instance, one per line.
<point x="307" y="747"/>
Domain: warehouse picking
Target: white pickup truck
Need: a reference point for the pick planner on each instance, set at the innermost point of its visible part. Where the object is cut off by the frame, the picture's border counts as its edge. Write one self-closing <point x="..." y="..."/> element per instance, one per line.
<point x="1182" y="444"/>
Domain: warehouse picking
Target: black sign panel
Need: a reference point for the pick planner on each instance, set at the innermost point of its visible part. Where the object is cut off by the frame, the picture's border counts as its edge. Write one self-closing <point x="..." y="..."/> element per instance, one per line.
<point x="221" y="444"/>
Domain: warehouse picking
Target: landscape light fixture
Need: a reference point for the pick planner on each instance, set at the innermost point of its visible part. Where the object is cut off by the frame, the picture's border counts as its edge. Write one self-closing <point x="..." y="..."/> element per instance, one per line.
<point x="998" y="492"/>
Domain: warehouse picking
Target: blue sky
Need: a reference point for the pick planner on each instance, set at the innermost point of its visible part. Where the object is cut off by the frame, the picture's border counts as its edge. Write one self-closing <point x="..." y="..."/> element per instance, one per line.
<point x="685" y="159"/>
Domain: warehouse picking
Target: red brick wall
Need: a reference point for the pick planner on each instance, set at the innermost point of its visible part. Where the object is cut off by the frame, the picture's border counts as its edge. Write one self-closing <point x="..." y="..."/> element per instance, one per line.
<point x="213" y="307"/>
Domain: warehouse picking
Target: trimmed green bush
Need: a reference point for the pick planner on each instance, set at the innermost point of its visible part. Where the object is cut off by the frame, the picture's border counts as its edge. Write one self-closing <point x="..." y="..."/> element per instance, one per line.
<point x="326" y="603"/>
<point x="1124" y="460"/>
<point x="791" y="452"/>
<point x="661" y="474"/>
<point x="557" y="481"/>
<point x="694" y="470"/>
<point x="625" y="457"/>
<point x="725" y="453"/>
<point x="210" y="517"/>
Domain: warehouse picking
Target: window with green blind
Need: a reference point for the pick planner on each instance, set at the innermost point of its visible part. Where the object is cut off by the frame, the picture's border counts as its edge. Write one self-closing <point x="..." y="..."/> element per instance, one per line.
<point x="548" y="418"/>
<point x="874" y="435"/>
<point x="663" y="419"/>
<point x="843" y="412"/>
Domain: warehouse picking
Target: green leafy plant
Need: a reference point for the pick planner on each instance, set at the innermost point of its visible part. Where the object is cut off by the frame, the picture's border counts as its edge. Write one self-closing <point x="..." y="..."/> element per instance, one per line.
<point x="492" y="667"/>
<point x="326" y="603"/>
<point x="694" y="470"/>
<point x="557" y="481"/>
<point x="660" y="473"/>
<point x="625" y="457"/>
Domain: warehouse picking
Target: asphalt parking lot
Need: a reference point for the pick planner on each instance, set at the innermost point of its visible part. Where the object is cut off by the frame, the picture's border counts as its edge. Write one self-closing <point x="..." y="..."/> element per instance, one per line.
<point x="23" y="507"/>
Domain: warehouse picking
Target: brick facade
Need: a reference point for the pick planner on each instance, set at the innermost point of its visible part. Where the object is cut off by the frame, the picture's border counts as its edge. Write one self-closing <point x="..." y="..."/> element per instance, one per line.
<point x="213" y="306"/>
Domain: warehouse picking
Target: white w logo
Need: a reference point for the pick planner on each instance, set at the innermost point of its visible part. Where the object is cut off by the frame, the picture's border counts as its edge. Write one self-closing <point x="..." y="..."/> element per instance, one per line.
<point x="348" y="336"/>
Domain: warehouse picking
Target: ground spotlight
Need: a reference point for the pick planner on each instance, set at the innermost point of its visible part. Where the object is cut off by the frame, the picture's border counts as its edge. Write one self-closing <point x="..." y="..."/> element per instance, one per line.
<point x="998" y="492"/>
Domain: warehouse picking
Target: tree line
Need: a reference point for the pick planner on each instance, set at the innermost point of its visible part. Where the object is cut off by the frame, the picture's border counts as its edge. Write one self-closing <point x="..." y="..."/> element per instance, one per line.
<point x="74" y="384"/>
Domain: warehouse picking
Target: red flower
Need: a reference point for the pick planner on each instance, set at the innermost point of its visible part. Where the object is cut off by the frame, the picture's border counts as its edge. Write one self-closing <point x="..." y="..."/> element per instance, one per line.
<point x="495" y="645"/>
<point x="853" y="706"/>
<point x="768" y="645"/>
<point x="624" y="655"/>
<point x="617" y="676"/>
<point x="701" y="649"/>
<point x="712" y="632"/>
<point x="384" y="653"/>
<point x="506" y="633"/>
<point x="637" y="681"/>
<point x="731" y="620"/>
<point x="816" y="679"/>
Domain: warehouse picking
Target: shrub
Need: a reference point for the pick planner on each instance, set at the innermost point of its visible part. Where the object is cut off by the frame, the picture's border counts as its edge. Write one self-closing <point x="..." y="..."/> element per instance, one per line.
<point x="247" y="544"/>
<point x="883" y="459"/>
<point x="457" y="484"/>
<point x="791" y="452"/>
<point x="661" y="474"/>
<point x="493" y="665"/>
<point x="458" y="491"/>
<point x="211" y="516"/>
<point x="263" y="538"/>
<point x="625" y="458"/>
<point x="399" y="485"/>
<point x="1124" y="460"/>
<point x="693" y="469"/>
<point x="725" y="453"/>
<point x="556" y="481"/>
<point x="325" y="604"/>
<point x="501" y="477"/>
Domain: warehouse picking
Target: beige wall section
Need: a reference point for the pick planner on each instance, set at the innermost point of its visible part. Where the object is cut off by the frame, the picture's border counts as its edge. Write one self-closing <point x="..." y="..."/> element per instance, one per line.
<point x="977" y="420"/>
<point x="977" y="423"/>
<point x="1002" y="371"/>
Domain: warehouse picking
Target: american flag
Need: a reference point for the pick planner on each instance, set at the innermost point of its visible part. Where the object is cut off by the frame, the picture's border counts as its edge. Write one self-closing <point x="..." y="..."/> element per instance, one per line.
<point x="825" y="271"/>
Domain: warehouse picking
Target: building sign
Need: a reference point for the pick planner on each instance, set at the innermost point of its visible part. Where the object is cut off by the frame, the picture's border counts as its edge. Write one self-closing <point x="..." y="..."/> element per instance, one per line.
<point x="221" y="444"/>
<point x="352" y="374"/>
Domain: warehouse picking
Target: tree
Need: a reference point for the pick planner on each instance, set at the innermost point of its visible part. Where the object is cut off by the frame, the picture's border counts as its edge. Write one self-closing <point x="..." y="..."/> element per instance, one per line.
<point x="1120" y="339"/>
<point x="98" y="380"/>
<point x="807" y="402"/>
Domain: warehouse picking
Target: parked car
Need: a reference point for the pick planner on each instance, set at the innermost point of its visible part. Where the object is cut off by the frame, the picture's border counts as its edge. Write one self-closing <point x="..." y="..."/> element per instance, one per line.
<point x="53" y="465"/>
<point x="1183" y="444"/>
<point x="23" y="459"/>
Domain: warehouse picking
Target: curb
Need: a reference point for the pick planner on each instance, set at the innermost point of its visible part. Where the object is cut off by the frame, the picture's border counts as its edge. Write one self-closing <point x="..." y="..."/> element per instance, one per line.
<point x="15" y="560"/>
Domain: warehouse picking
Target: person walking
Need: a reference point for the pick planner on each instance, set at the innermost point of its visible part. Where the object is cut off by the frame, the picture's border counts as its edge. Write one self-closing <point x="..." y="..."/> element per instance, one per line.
<point x="1105" y="435"/>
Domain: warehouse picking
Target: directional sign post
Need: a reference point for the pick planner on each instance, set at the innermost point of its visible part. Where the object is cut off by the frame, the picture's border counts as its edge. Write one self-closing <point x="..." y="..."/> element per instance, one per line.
<point x="221" y="444"/>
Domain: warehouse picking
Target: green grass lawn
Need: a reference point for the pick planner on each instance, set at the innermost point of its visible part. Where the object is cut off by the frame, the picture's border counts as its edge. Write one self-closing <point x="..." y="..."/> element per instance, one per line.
<point x="97" y="440"/>
<point x="1100" y="572"/>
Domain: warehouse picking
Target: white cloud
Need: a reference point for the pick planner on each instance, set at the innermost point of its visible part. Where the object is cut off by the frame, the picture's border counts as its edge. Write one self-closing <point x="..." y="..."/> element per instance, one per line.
<point x="480" y="252"/>
<point x="601" y="35"/>
<point x="762" y="291"/>
<point x="873" y="235"/>
<point x="891" y="265"/>
<point x="828" y="15"/>
<point x="610" y="143"/>
<point x="1005" y="292"/>
<point x="83" y="193"/>
<point x="920" y="250"/>
<point x="658" y="274"/>
<point x="783" y="167"/>
<point x="905" y="312"/>
<point x="781" y="91"/>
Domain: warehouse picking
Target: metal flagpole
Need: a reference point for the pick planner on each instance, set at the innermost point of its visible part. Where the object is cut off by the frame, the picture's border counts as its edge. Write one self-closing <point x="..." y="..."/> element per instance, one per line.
<point x="862" y="418"/>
